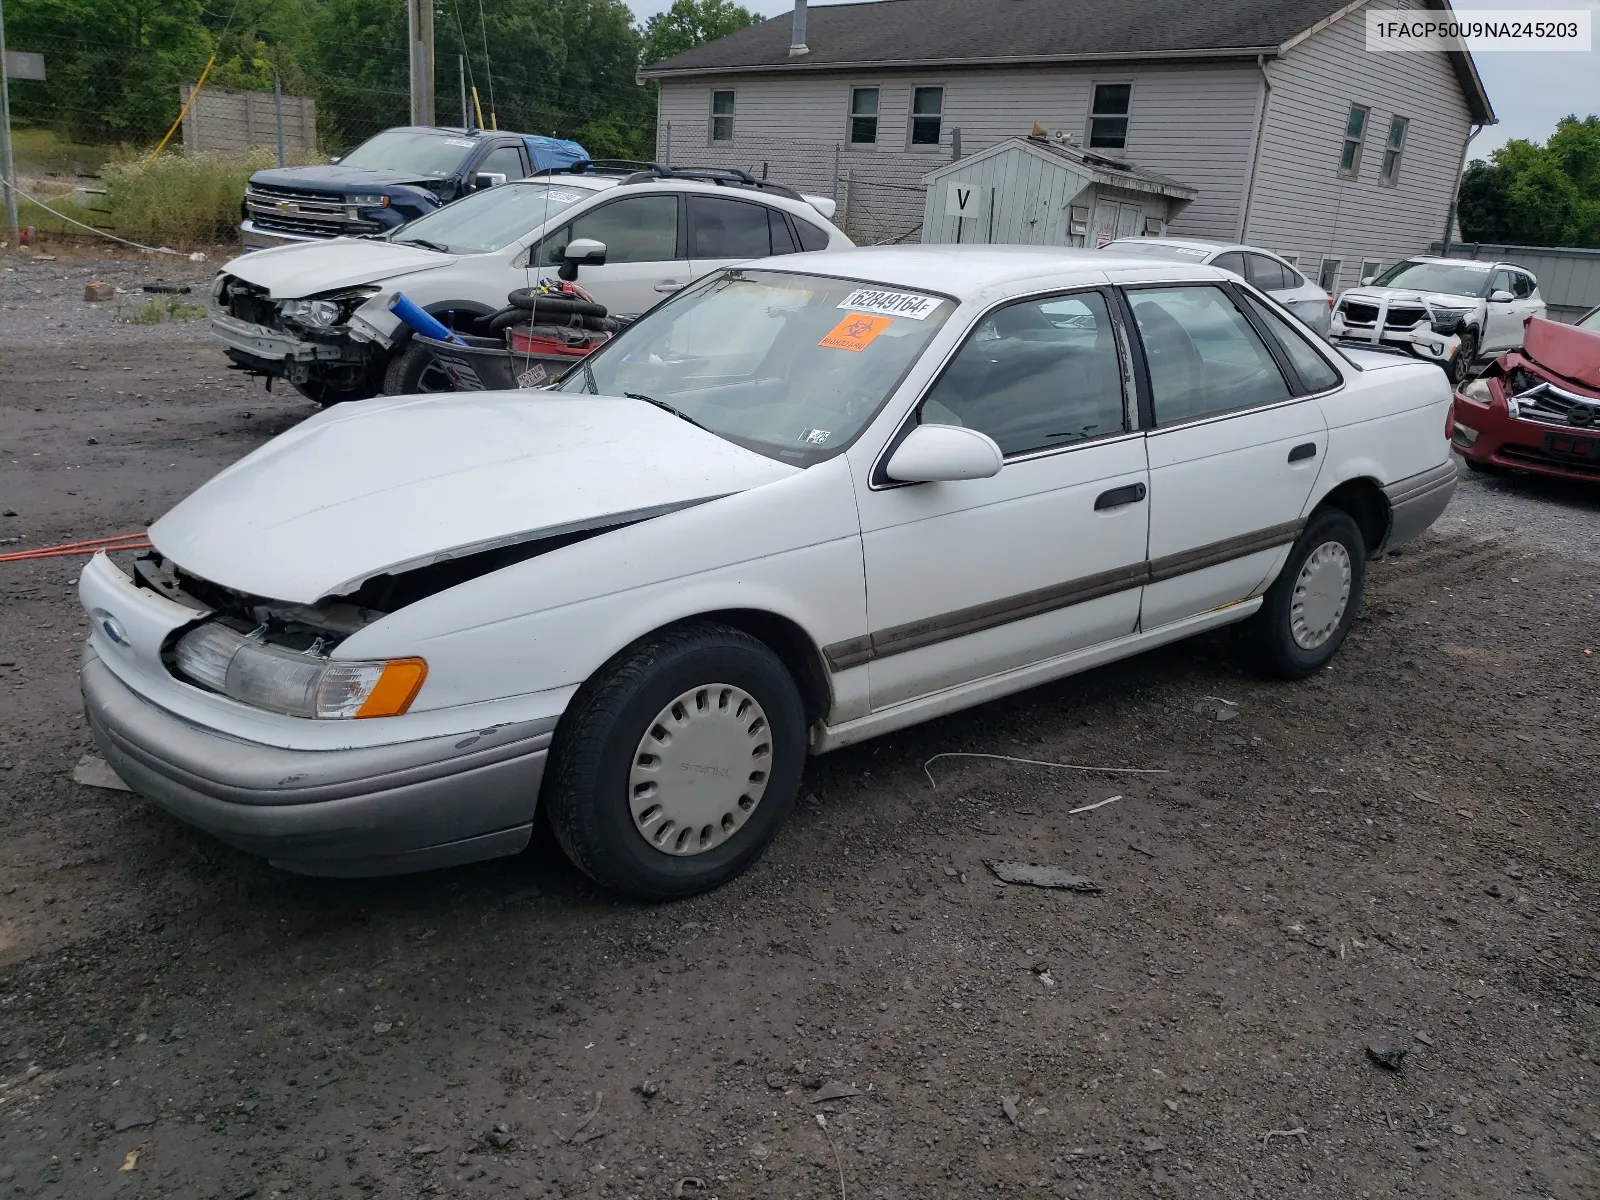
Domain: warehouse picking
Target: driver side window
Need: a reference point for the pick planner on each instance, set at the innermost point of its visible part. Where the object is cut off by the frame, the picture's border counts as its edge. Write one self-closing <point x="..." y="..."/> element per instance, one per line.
<point x="1502" y="282"/>
<point x="1035" y="375"/>
<point x="636" y="230"/>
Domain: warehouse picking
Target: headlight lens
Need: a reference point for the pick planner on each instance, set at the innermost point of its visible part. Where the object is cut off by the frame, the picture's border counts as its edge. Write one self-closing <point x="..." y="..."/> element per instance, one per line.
<point x="322" y="313"/>
<point x="1478" y="390"/>
<point x="297" y="684"/>
<point x="1445" y="320"/>
<point x="371" y="199"/>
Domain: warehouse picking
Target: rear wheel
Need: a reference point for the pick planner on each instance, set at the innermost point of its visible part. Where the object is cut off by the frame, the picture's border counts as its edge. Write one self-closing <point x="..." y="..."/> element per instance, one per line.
<point x="1312" y="604"/>
<point x="415" y="371"/>
<point x="677" y="764"/>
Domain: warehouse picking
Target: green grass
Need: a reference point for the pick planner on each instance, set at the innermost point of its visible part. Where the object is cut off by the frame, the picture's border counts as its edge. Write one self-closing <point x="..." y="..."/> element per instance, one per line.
<point x="44" y="152"/>
<point x="154" y="311"/>
<point x="69" y="205"/>
<point x="180" y="200"/>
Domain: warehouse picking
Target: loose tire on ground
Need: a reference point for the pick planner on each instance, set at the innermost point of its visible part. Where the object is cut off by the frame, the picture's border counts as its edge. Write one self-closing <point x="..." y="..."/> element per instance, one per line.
<point x="1310" y="607"/>
<point x="592" y="791"/>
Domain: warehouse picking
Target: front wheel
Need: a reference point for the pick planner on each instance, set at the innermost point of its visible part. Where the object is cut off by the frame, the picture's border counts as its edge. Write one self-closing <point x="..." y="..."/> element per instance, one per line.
<point x="415" y="371"/>
<point x="1312" y="604"/>
<point x="677" y="764"/>
<point x="1461" y="365"/>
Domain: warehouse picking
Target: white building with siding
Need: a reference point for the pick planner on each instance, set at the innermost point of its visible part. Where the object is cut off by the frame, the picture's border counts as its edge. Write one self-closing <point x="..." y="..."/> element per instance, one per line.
<point x="1293" y="136"/>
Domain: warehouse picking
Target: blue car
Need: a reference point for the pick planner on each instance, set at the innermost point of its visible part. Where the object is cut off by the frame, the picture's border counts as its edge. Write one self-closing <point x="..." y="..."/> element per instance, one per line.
<point x="391" y="178"/>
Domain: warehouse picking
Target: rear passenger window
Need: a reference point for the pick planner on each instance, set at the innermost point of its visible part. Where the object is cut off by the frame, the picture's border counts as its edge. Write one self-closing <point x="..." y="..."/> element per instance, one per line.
<point x="1035" y="375"/>
<point x="1204" y="357"/>
<point x="1316" y="373"/>
<point x="1266" y="273"/>
<point x="811" y="238"/>
<point x="1522" y="286"/>
<point x="721" y="228"/>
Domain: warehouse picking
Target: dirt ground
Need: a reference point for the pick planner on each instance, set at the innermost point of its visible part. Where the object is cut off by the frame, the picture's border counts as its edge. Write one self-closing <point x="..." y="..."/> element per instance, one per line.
<point x="1401" y="849"/>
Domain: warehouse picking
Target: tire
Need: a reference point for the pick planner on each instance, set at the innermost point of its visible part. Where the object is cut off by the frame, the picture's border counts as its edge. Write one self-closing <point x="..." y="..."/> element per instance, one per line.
<point x="1461" y="365"/>
<point x="1295" y="633"/>
<point x="414" y="372"/>
<point x="601" y="770"/>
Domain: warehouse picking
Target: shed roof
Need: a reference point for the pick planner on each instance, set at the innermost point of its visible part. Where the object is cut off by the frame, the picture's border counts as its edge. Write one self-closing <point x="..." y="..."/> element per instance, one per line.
<point x="1100" y="168"/>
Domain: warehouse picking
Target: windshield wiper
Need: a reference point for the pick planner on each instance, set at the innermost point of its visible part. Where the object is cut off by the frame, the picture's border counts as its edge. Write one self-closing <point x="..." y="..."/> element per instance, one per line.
<point x="416" y="241"/>
<point x="665" y="407"/>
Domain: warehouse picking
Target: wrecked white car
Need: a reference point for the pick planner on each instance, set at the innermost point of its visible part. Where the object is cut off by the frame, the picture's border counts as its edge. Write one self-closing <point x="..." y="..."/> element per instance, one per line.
<point x="798" y="505"/>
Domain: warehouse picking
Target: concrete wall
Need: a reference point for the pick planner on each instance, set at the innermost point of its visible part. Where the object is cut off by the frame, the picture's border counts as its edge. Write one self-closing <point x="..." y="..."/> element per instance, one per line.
<point x="230" y="121"/>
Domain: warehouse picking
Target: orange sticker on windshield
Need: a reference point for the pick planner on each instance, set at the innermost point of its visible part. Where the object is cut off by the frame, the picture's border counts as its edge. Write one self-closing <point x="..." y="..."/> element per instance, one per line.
<point x="856" y="332"/>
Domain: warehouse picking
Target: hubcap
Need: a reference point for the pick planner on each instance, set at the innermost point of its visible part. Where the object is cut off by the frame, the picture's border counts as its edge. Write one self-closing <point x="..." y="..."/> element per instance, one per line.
<point x="1321" y="594"/>
<point x="700" y="769"/>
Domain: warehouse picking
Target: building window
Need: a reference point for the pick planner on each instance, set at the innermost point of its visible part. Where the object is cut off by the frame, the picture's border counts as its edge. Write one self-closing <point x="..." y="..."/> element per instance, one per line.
<point x="1108" y="116"/>
<point x="722" y="116"/>
<point x="863" y="116"/>
<point x="1292" y="259"/>
<point x="1369" y="269"/>
<point x="927" y="113"/>
<point x="1328" y="275"/>
<point x="1392" y="147"/>
<point x="1355" y="131"/>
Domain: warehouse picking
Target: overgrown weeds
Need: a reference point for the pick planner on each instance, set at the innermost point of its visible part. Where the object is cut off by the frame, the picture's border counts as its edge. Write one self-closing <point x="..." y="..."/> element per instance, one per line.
<point x="180" y="200"/>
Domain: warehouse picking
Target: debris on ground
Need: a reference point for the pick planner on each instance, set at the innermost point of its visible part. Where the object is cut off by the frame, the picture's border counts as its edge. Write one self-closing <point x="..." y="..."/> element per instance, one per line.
<point x="697" y="1184"/>
<point x="1424" y="1039"/>
<point x="130" y="1160"/>
<point x="1297" y="1131"/>
<point x="835" y="1091"/>
<point x="96" y="291"/>
<point x="1034" y="762"/>
<point x="1043" y="877"/>
<point x="162" y="288"/>
<point x="133" y="1120"/>
<point x="1008" y="1105"/>
<point x="1216" y="708"/>
<point x="93" y="771"/>
<point x="1072" y="812"/>
<point x="1387" y="1053"/>
<point x="577" y="1137"/>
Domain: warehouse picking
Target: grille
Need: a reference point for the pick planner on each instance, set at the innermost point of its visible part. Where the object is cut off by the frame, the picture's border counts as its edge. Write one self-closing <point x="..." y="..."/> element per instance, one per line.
<point x="1550" y="405"/>
<point x="1360" y="314"/>
<point x="1534" y="454"/>
<point x="1404" y="316"/>
<point x="290" y="210"/>
<point x="250" y="303"/>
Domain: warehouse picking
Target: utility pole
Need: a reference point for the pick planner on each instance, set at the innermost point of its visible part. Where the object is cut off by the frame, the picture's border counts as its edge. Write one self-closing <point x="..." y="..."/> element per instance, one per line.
<point x="6" y="161"/>
<point x="419" y="28"/>
<point x="466" y="113"/>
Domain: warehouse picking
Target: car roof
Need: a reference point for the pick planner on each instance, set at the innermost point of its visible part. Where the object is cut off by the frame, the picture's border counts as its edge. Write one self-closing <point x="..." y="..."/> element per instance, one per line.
<point x="1465" y="262"/>
<point x="589" y="183"/>
<point x="600" y="183"/>
<point x="965" y="272"/>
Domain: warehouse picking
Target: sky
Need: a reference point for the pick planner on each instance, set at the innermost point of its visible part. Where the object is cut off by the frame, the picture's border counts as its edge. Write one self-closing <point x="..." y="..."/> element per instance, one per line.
<point x="1529" y="92"/>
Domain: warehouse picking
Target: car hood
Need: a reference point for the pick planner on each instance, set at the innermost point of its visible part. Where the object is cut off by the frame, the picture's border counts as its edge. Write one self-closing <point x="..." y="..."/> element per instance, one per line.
<point x="1566" y="350"/>
<point x="382" y="486"/>
<point x="344" y="180"/>
<point x="1442" y="299"/>
<point x="312" y="268"/>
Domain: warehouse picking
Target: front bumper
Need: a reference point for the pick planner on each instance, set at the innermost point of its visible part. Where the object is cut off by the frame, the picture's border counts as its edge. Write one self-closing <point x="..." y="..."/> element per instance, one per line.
<point x="375" y="810"/>
<point x="1420" y="340"/>
<point x="1487" y="434"/>
<point x="253" y="237"/>
<point x="265" y="344"/>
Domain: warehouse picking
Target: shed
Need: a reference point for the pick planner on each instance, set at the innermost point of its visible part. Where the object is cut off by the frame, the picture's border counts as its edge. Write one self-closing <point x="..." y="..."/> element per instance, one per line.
<point x="1043" y="191"/>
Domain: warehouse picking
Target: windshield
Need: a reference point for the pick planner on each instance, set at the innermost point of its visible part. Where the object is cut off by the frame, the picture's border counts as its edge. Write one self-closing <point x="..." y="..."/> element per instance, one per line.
<point x="491" y="219"/>
<point x="1468" y="279"/>
<point x="419" y="151"/>
<point x="791" y="366"/>
<point x="1159" y="250"/>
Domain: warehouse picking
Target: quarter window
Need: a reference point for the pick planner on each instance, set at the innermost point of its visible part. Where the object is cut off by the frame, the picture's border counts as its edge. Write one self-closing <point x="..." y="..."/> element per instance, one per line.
<point x="1204" y="357"/>
<point x="1108" y="116"/>
<point x="1035" y="375"/>
<point x="811" y="238"/>
<point x="1393" y="145"/>
<point x="863" y="116"/>
<point x="927" y="113"/>
<point x="638" y="229"/>
<point x="1316" y="373"/>
<point x="1355" y="133"/>
<point x="722" y="116"/>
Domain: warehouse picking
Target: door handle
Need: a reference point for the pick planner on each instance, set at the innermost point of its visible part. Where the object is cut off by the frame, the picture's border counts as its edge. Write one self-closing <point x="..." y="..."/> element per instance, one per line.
<point x="669" y="285"/>
<point x="1117" y="497"/>
<point x="1303" y="451"/>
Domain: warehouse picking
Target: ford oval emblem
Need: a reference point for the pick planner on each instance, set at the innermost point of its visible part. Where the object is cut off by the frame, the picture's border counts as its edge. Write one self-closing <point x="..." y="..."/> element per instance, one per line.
<point x="112" y="629"/>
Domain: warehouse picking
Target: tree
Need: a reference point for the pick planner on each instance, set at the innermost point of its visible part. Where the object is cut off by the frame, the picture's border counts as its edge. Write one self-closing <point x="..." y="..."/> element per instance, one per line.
<point x="1535" y="195"/>
<point x="691" y="23"/>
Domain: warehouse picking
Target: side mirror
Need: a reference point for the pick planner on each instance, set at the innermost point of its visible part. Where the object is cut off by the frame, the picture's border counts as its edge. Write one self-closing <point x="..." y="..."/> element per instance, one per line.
<point x="1366" y="280"/>
<point x="584" y="252"/>
<point x="335" y="159"/>
<point x="488" y="179"/>
<point x="945" y="454"/>
<point x="1501" y="297"/>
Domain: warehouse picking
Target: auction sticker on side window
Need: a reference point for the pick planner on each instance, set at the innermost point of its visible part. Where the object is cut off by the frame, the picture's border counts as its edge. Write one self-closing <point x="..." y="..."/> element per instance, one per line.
<point x="856" y="332"/>
<point x="891" y="304"/>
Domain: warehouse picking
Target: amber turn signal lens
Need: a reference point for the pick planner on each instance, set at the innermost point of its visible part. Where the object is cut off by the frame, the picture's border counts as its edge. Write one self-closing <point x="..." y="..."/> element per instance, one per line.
<point x="396" y="688"/>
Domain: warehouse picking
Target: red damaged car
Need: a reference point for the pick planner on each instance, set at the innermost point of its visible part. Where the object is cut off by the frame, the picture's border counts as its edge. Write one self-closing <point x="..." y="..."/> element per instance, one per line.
<point x="1536" y="409"/>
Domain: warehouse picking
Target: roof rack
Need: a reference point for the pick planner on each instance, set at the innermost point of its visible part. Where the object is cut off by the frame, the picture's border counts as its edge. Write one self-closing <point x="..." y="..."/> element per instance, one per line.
<point x="595" y="166"/>
<point x="721" y="176"/>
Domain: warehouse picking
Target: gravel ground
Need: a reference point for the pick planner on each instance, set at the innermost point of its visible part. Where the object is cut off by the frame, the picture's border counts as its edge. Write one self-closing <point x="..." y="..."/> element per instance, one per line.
<point x="1398" y="851"/>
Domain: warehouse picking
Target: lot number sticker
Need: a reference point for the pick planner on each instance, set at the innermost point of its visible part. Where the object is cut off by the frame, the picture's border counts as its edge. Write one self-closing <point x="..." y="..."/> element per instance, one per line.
<point x="891" y="304"/>
<point x="856" y="332"/>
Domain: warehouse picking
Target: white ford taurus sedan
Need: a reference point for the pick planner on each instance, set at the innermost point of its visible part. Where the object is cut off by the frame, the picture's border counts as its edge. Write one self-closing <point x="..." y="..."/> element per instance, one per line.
<point x="795" y="506"/>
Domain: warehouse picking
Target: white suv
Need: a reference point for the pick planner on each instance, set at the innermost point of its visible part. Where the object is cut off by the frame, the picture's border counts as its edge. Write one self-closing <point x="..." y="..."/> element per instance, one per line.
<point x="1446" y="310"/>
<point x="317" y="315"/>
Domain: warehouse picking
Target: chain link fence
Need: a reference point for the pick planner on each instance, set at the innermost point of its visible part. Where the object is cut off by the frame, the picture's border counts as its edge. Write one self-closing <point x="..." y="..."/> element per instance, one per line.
<point x="880" y="196"/>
